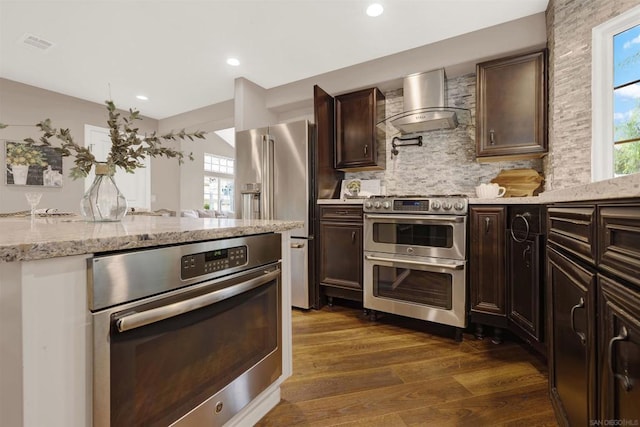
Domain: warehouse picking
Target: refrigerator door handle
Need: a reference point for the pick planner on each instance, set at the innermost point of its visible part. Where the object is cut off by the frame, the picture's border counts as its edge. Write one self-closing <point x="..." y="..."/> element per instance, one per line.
<point x="268" y="178"/>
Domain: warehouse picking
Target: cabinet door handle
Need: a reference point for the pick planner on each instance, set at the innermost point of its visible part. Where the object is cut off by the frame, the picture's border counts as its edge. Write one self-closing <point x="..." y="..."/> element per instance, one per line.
<point x="353" y="237"/>
<point x="525" y="258"/>
<point x="580" y="304"/>
<point x="492" y="137"/>
<point x="366" y="149"/>
<point x="487" y="221"/>
<point x="524" y="219"/>
<point x="622" y="336"/>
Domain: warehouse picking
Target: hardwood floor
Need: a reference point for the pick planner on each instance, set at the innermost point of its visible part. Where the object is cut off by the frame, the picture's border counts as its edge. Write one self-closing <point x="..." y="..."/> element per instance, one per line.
<point x="350" y="371"/>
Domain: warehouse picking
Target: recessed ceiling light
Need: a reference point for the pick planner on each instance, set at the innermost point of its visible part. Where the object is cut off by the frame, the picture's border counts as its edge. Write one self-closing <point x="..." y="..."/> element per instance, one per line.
<point x="233" y="61"/>
<point x="142" y="97"/>
<point x="375" y="9"/>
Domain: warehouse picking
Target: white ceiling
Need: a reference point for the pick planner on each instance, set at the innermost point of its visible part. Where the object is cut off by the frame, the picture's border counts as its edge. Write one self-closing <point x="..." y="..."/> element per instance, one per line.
<point x="174" y="52"/>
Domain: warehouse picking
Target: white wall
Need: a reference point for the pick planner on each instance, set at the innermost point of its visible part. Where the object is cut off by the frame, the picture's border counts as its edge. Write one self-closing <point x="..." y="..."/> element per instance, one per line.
<point x="186" y="182"/>
<point x="21" y="104"/>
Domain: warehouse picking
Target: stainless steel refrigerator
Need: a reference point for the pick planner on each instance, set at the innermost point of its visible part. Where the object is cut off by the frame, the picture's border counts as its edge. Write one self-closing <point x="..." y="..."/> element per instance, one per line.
<point x="273" y="181"/>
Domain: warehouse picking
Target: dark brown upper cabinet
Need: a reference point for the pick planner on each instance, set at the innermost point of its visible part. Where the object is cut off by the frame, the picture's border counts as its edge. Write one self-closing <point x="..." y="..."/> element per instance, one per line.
<point x="360" y="145"/>
<point x="512" y="107"/>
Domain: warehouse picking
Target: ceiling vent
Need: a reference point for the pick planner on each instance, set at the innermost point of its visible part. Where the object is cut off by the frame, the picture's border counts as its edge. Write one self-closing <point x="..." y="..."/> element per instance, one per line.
<point x="35" y="41"/>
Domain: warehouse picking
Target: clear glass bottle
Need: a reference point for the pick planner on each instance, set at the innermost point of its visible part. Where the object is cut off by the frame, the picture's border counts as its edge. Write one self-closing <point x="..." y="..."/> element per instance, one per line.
<point x="103" y="201"/>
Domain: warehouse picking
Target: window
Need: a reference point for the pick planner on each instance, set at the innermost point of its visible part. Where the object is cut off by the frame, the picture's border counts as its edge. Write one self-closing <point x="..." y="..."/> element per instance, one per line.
<point x="616" y="97"/>
<point x="626" y="102"/>
<point x="218" y="164"/>
<point x="218" y="183"/>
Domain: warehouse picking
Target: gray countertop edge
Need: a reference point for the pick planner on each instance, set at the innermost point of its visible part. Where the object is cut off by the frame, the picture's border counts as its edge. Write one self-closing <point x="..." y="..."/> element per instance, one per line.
<point x="59" y="238"/>
<point x="340" y="201"/>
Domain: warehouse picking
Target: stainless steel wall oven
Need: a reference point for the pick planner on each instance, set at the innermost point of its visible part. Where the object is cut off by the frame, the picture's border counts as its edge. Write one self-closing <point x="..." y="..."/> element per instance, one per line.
<point x="185" y="335"/>
<point x="415" y="257"/>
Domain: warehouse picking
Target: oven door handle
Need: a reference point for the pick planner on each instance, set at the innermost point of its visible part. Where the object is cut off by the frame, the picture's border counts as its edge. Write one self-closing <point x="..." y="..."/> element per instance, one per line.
<point x="429" y="218"/>
<point x="136" y="320"/>
<point x="426" y="264"/>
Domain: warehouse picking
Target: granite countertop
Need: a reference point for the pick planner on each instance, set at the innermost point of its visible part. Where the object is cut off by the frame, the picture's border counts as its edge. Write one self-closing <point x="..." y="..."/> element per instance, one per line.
<point x="23" y="239"/>
<point x="616" y="188"/>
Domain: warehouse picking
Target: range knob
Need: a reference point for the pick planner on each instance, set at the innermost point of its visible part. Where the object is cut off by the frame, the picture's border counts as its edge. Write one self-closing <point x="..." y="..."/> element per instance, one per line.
<point x="376" y="205"/>
<point x="446" y="206"/>
<point x="386" y="205"/>
<point x="367" y="204"/>
<point x="458" y="205"/>
<point x="435" y="205"/>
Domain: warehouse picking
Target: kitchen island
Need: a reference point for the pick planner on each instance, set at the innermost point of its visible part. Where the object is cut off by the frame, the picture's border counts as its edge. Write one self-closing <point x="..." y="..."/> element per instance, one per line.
<point x="46" y="339"/>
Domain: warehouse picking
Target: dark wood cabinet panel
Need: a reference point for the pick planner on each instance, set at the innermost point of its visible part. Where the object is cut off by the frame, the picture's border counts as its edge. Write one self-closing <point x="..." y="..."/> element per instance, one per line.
<point x="341" y="213"/>
<point x="512" y="106"/>
<point x="360" y="145"/>
<point x="619" y="350"/>
<point x="525" y="273"/>
<point x="571" y="339"/>
<point x="487" y="265"/>
<point x="506" y="290"/>
<point x="341" y="252"/>
<point x="612" y="392"/>
<point x="573" y="229"/>
<point x="619" y="241"/>
<point x="327" y="179"/>
<point x="524" y="287"/>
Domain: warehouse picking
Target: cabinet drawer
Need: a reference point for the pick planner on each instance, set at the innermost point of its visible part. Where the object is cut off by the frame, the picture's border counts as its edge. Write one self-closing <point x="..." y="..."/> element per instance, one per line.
<point x="619" y="241"/>
<point x="573" y="228"/>
<point x="341" y="213"/>
<point x="525" y="218"/>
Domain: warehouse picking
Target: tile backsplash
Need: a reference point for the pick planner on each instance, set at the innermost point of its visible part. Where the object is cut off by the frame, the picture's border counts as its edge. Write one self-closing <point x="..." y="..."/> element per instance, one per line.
<point x="445" y="163"/>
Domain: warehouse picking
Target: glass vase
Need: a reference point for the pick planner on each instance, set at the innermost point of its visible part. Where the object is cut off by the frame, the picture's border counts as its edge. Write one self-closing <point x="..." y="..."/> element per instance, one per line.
<point x="103" y="201"/>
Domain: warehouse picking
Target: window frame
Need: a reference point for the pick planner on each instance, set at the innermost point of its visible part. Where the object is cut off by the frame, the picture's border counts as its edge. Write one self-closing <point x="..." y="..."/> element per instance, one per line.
<point x="602" y="128"/>
<point x="219" y="175"/>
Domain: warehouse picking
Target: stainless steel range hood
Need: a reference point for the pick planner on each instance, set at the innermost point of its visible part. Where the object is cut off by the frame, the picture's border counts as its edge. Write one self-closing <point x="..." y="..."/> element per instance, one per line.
<point x="425" y="104"/>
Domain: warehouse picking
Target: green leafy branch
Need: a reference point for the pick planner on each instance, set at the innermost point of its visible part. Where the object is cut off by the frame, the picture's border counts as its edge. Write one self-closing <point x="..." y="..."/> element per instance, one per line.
<point x="128" y="148"/>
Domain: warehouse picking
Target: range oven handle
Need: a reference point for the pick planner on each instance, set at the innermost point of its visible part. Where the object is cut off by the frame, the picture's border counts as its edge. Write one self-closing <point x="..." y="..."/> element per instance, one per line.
<point x="422" y="263"/>
<point x="136" y="320"/>
<point x="430" y="218"/>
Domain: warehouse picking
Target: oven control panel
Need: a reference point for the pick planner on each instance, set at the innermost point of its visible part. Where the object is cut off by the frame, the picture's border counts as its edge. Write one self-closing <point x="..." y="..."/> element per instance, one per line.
<point x="199" y="264"/>
<point x="452" y="205"/>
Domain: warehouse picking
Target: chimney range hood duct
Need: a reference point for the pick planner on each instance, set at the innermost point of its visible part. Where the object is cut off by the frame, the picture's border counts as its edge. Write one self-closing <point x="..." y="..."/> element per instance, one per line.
<point x="425" y="104"/>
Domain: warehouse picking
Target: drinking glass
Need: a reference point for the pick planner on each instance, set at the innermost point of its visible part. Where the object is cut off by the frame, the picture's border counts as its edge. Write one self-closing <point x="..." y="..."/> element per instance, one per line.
<point x="33" y="199"/>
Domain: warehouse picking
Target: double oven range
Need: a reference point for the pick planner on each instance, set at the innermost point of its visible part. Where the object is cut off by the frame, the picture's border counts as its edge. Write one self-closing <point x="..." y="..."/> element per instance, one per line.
<point x="415" y="257"/>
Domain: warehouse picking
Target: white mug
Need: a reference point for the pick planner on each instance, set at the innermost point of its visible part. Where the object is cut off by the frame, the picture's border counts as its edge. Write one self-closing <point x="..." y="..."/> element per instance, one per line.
<point x="490" y="191"/>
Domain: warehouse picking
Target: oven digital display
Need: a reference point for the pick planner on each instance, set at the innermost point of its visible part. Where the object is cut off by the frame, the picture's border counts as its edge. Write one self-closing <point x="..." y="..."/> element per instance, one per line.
<point x="411" y="205"/>
<point x="217" y="254"/>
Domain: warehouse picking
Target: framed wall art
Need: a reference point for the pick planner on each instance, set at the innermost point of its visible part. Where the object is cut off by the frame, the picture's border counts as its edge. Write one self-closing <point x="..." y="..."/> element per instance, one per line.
<point x="31" y="165"/>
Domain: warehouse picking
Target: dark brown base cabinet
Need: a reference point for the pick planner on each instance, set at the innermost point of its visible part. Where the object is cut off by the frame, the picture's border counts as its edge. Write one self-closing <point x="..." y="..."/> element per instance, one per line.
<point x="571" y="355"/>
<point x="593" y="280"/>
<point x="619" y="351"/>
<point x="506" y="272"/>
<point x="487" y="269"/>
<point x="340" y="270"/>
